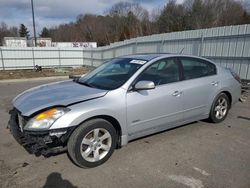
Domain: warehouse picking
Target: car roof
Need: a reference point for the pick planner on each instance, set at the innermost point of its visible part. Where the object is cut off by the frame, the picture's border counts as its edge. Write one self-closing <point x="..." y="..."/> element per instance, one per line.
<point x="145" y="57"/>
<point x="151" y="56"/>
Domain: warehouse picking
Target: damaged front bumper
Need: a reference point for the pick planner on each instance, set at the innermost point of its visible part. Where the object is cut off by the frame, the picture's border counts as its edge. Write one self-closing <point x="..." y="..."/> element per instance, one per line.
<point x="44" y="143"/>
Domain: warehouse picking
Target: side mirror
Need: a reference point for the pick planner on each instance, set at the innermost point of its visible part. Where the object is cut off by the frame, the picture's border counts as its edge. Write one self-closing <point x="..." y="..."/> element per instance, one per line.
<point x="144" y="85"/>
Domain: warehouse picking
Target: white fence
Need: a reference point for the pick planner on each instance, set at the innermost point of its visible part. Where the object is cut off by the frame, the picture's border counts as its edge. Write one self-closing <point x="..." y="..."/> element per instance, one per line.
<point x="228" y="46"/>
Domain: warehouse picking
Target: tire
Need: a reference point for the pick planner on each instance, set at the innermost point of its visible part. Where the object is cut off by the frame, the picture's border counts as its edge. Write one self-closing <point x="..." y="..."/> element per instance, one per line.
<point x="92" y="143"/>
<point x="219" y="109"/>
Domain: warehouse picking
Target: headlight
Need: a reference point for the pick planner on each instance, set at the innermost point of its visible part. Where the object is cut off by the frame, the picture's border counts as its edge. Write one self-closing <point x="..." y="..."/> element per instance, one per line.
<point x="45" y="119"/>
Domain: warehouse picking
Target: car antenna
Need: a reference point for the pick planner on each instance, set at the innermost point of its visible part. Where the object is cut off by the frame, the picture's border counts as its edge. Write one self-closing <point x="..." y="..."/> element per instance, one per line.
<point x="182" y="50"/>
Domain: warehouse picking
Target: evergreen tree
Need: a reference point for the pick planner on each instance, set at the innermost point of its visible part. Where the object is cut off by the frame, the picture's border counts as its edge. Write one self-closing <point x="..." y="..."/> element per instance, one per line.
<point x="171" y="18"/>
<point x="23" y="31"/>
<point x="45" y="32"/>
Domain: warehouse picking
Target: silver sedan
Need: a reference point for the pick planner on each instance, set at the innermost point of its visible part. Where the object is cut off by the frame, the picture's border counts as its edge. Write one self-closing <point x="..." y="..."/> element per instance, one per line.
<point x="121" y="100"/>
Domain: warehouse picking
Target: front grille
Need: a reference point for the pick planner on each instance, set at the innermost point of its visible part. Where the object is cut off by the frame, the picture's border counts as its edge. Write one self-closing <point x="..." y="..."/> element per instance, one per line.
<point x="37" y="142"/>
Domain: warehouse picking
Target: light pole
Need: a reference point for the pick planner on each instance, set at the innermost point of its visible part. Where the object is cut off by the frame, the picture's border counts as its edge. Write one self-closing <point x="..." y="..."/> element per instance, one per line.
<point x="34" y="26"/>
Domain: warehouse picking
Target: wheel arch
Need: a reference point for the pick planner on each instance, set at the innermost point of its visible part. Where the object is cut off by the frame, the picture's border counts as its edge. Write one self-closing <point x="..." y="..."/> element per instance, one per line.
<point x="211" y="118"/>
<point x="111" y="120"/>
<point x="229" y="95"/>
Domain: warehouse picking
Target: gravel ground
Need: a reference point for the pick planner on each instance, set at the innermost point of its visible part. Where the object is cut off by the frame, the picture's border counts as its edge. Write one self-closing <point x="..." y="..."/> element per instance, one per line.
<point x="196" y="155"/>
<point x="46" y="72"/>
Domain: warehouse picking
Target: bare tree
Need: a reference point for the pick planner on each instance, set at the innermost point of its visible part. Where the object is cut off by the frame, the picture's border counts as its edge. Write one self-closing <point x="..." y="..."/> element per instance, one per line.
<point x="6" y="31"/>
<point x="126" y="20"/>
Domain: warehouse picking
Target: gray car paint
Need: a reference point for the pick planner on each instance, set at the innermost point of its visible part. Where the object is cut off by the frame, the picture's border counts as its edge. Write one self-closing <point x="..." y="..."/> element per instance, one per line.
<point x="139" y="113"/>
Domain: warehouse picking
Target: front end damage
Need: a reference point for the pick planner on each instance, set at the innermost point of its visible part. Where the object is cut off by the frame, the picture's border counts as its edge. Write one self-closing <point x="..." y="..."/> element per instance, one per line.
<point x="46" y="143"/>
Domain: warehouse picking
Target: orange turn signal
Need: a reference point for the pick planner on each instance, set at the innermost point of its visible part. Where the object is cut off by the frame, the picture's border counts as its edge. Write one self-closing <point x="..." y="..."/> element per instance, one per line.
<point x="47" y="114"/>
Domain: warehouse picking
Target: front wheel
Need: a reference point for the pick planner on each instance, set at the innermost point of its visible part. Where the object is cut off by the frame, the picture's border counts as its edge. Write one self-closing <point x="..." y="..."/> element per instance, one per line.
<point x="92" y="143"/>
<point x="219" y="108"/>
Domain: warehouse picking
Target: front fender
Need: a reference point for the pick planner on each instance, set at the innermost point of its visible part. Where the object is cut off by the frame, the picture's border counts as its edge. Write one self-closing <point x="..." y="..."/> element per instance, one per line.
<point x="104" y="106"/>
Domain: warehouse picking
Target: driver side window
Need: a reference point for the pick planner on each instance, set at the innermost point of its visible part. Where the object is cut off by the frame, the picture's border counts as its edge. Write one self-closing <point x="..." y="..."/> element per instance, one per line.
<point x="162" y="72"/>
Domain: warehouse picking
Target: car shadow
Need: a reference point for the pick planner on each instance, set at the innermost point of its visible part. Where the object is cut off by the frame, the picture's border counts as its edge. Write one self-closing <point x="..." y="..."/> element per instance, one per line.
<point x="54" y="180"/>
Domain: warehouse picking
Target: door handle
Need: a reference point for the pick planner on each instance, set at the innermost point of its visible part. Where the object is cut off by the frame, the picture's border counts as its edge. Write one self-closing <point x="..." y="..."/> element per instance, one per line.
<point x="215" y="83"/>
<point x="177" y="93"/>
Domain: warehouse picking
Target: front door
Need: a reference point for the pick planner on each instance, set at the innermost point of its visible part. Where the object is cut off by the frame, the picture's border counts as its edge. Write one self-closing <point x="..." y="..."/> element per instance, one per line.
<point x="159" y="107"/>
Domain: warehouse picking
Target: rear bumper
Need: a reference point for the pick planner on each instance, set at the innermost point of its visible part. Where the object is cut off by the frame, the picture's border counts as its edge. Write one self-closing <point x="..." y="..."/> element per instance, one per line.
<point x="39" y="142"/>
<point x="237" y="94"/>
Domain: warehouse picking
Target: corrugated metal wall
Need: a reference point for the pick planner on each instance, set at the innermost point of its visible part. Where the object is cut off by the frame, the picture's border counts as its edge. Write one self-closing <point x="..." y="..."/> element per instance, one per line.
<point x="228" y="46"/>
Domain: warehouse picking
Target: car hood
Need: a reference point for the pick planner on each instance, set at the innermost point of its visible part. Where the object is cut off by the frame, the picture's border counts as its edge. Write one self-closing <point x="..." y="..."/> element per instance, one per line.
<point x="55" y="94"/>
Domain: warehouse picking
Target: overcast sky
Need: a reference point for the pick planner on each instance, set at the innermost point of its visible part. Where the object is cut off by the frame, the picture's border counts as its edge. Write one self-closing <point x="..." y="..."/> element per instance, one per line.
<point x="53" y="12"/>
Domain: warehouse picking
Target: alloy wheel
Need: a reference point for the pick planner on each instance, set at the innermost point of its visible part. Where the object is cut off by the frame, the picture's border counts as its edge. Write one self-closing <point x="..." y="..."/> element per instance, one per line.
<point x="221" y="108"/>
<point x="96" y="145"/>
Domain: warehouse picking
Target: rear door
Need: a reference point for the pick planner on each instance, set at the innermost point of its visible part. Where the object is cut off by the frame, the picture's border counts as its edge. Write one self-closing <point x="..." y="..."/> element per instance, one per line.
<point x="201" y="83"/>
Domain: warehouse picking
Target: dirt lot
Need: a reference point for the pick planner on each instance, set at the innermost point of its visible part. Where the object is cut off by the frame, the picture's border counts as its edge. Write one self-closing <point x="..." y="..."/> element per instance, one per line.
<point x="46" y="72"/>
<point x="196" y="155"/>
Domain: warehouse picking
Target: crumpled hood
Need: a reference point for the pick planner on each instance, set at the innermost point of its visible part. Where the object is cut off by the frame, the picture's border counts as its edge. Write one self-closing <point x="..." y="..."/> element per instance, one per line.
<point x="55" y="94"/>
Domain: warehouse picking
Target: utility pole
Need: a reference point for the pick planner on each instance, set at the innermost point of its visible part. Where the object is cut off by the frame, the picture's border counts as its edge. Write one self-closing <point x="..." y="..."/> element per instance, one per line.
<point x="34" y="26"/>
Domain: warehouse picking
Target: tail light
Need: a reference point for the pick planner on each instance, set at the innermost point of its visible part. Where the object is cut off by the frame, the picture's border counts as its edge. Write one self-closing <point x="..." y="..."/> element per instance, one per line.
<point x="235" y="75"/>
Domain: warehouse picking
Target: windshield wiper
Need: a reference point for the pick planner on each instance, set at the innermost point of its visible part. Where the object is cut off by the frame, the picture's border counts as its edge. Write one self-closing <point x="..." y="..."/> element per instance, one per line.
<point x="84" y="83"/>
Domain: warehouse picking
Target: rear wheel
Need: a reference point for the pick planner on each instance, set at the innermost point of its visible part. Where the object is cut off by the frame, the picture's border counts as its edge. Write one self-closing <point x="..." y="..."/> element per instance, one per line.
<point x="219" y="108"/>
<point x="92" y="143"/>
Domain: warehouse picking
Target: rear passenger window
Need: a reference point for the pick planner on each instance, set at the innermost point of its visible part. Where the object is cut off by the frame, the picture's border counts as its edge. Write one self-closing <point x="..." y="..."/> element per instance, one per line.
<point x="196" y="68"/>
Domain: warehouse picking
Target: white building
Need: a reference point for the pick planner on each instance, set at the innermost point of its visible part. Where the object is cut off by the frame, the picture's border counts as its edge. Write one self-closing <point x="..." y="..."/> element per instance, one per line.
<point x="22" y="42"/>
<point x="74" y="44"/>
<point x="41" y="42"/>
<point x="15" y="42"/>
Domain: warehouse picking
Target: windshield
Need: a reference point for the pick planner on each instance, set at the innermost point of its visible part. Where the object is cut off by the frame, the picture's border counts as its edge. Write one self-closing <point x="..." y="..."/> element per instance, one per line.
<point x="113" y="74"/>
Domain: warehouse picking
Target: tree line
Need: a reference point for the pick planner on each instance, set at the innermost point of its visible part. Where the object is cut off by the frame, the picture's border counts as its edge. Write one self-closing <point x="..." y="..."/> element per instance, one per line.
<point x="126" y="20"/>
